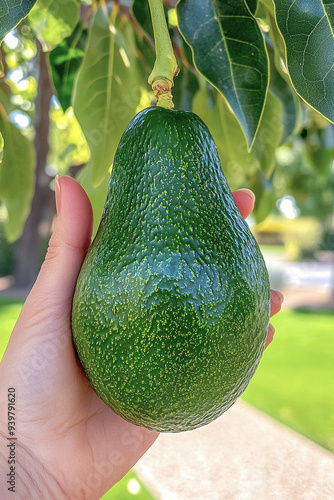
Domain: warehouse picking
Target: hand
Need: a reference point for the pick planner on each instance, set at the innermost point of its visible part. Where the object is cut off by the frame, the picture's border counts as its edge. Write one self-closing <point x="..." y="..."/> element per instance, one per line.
<point x="70" y="445"/>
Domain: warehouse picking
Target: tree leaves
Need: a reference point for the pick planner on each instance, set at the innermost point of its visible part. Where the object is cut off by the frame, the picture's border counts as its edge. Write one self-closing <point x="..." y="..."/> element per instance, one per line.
<point x="1" y="147"/>
<point x="65" y="60"/>
<point x="11" y="13"/>
<point x="107" y="91"/>
<point x="229" y="51"/>
<point x="230" y="141"/>
<point x="252" y="5"/>
<point x="141" y="12"/>
<point x="307" y="28"/>
<point x="242" y="168"/>
<point x="16" y="176"/>
<point x="54" y="20"/>
<point x="282" y="91"/>
<point x="106" y="79"/>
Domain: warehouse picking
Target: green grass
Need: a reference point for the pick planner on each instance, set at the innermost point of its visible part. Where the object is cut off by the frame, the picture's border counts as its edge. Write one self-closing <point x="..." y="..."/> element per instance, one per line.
<point x="9" y="311"/>
<point x="130" y="487"/>
<point x="295" y="379"/>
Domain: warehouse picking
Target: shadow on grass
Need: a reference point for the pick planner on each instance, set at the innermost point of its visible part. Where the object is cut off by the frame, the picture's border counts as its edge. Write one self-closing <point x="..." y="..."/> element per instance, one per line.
<point x="314" y="311"/>
<point x="4" y="301"/>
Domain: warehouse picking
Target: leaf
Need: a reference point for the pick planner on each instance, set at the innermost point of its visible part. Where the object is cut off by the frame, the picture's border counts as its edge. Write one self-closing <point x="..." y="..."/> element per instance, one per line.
<point x="320" y="149"/>
<point x="68" y="147"/>
<point x="227" y="134"/>
<point x="228" y="49"/>
<point x="11" y="13"/>
<point x="107" y="90"/>
<point x="264" y="195"/>
<point x="16" y="176"/>
<point x="268" y="4"/>
<point x="282" y="91"/>
<point x="65" y="60"/>
<point x="236" y="160"/>
<point x="1" y="147"/>
<point x="267" y="13"/>
<point x="54" y="20"/>
<point x="269" y="136"/>
<point x="141" y="13"/>
<point x="307" y="28"/>
<point x="252" y="5"/>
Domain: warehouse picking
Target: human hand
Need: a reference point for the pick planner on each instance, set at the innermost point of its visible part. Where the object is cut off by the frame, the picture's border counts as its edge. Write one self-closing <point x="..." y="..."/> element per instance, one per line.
<point x="69" y="443"/>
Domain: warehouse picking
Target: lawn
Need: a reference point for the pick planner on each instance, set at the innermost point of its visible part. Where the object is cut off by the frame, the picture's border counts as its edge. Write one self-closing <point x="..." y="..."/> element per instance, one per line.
<point x="294" y="382"/>
<point x="9" y="311"/>
<point x="295" y="379"/>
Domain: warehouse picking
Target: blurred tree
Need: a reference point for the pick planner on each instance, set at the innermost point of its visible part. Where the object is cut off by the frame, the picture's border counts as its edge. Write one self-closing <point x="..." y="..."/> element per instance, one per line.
<point x="42" y="205"/>
<point x="74" y="73"/>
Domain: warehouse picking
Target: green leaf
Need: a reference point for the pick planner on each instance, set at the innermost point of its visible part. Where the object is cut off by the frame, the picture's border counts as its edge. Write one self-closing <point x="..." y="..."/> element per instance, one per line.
<point x="108" y="90"/>
<point x="1" y="147"/>
<point x="264" y="195"/>
<point x="320" y="149"/>
<point x="307" y="28"/>
<point x="11" y="13"/>
<point x="141" y="13"/>
<point x="268" y="4"/>
<point x="269" y="135"/>
<point x="54" y="20"/>
<point x="236" y="161"/>
<point x="282" y="91"/>
<point x="229" y="50"/>
<point x="227" y="134"/>
<point x="252" y="5"/>
<point x="16" y="176"/>
<point x="65" y="60"/>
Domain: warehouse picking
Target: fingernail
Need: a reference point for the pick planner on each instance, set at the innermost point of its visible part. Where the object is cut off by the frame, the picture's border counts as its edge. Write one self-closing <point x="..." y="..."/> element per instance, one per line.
<point x="281" y="296"/>
<point x="57" y="193"/>
<point x="249" y="192"/>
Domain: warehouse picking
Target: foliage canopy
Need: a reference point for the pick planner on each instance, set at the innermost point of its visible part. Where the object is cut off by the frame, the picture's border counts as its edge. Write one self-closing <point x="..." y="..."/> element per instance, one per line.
<point x="260" y="73"/>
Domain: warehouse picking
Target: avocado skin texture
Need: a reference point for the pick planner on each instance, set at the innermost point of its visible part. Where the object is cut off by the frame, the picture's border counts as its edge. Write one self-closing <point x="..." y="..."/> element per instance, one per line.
<point x="171" y="309"/>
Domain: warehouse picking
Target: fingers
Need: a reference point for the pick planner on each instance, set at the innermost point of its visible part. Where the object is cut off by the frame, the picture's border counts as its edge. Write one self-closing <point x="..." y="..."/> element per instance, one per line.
<point x="277" y="299"/>
<point x="244" y="200"/>
<point x="68" y="244"/>
<point x="270" y="335"/>
<point x="276" y="303"/>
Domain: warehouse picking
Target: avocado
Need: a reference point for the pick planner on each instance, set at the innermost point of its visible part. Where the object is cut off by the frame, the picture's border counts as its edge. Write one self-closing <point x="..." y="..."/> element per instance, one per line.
<point x="171" y="308"/>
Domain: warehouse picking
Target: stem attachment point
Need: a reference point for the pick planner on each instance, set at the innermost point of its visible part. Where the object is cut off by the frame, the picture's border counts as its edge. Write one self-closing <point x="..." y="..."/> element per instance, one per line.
<point x="165" y="67"/>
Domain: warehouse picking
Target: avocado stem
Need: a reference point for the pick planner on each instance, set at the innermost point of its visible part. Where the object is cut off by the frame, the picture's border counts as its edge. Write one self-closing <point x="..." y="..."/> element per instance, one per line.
<point x="165" y="66"/>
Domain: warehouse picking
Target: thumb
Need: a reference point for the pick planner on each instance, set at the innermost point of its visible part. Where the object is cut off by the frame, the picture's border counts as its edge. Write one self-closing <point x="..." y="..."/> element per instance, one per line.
<point x="68" y="246"/>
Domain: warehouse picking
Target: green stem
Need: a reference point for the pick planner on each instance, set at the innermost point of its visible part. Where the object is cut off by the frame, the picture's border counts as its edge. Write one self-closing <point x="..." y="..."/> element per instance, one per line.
<point x="165" y="66"/>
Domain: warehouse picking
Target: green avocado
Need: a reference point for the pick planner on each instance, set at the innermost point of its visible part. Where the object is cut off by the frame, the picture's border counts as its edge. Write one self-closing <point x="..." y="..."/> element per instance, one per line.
<point x="171" y="308"/>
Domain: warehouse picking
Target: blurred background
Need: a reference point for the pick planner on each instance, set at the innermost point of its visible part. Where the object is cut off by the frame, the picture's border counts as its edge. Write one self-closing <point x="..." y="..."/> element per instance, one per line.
<point x="293" y="220"/>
